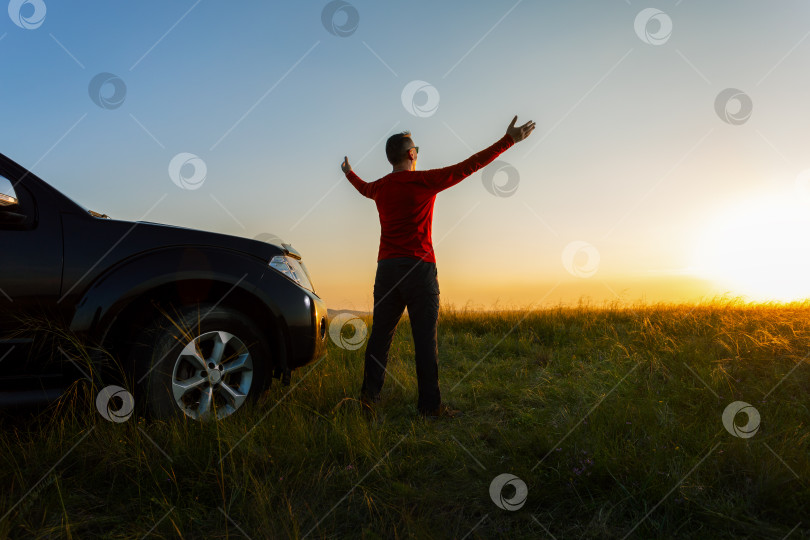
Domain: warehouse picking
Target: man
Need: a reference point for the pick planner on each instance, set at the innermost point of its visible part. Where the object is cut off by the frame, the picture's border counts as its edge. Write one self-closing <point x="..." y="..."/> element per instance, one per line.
<point x="406" y="266"/>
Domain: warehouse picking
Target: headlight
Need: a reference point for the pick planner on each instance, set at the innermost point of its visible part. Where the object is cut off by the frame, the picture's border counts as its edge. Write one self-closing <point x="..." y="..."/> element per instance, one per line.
<point x="293" y="269"/>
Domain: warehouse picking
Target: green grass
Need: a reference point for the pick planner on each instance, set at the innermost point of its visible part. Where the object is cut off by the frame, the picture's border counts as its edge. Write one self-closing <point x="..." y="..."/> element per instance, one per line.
<point x="601" y="411"/>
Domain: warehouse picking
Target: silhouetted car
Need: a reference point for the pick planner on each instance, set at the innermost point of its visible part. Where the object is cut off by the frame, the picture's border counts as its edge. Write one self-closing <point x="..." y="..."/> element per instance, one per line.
<point x="196" y="321"/>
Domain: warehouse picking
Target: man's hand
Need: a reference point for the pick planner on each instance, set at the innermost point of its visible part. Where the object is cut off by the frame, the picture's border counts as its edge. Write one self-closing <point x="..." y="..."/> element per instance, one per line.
<point x="345" y="167"/>
<point x="519" y="133"/>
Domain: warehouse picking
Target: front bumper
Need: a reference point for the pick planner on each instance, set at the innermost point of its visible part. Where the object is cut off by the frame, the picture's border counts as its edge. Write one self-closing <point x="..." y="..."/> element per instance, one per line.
<point x="300" y="315"/>
<point x="320" y="326"/>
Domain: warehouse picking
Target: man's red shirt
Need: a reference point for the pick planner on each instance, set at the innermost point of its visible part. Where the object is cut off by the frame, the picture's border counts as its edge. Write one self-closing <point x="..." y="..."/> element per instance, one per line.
<point x="405" y="202"/>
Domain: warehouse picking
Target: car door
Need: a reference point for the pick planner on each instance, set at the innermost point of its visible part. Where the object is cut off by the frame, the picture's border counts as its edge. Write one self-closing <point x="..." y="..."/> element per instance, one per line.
<point x="30" y="268"/>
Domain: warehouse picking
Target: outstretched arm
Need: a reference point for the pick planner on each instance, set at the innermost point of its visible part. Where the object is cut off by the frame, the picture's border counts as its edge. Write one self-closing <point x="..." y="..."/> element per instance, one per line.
<point x="441" y="179"/>
<point x="359" y="185"/>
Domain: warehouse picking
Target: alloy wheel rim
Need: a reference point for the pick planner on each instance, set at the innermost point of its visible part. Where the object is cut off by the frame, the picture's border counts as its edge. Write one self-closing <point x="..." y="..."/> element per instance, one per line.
<point x="213" y="372"/>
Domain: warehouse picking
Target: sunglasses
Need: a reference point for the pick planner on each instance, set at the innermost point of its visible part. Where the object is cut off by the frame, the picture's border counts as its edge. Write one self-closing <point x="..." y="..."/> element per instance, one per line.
<point x="415" y="148"/>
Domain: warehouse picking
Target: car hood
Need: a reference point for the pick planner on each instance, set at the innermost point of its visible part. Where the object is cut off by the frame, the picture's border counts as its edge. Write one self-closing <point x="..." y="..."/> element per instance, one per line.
<point x="120" y="239"/>
<point x="163" y="235"/>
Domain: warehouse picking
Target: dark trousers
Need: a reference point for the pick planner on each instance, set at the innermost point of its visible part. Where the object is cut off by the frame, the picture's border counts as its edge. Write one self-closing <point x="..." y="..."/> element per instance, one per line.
<point x="400" y="283"/>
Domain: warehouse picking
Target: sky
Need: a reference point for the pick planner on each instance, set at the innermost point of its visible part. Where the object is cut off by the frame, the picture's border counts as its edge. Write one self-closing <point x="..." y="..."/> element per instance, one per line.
<point x="670" y="160"/>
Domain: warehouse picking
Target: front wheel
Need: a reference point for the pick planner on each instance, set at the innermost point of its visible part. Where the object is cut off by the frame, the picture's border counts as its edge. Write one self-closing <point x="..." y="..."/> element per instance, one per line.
<point x="204" y="362"/>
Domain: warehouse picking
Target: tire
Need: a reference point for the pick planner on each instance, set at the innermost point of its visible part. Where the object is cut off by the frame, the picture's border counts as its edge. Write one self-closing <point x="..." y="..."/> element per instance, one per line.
<point x="219" y="362"/>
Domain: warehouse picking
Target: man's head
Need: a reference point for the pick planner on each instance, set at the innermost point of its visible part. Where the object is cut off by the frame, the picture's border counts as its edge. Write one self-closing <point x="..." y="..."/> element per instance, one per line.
<point x="401" y="151"/>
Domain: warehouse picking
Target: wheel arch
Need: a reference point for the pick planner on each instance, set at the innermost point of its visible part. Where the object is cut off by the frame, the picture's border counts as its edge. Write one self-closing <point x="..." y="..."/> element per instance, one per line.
<point x="127" y="296"/>
<point x="142" y="310"/>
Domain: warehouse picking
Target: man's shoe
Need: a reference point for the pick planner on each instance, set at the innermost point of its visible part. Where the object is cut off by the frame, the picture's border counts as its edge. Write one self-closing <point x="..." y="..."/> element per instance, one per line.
<point x="368" y="401"/>
<point x="442" y="411"/>
<point x="370" y="407"/>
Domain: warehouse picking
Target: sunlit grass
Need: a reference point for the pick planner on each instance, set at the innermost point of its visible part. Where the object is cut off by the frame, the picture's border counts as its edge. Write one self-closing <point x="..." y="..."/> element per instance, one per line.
<point x="306" y="460"/>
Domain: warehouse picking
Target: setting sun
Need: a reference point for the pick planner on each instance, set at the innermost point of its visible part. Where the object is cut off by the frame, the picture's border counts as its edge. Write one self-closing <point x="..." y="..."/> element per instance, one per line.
<point x="758" y="248"/>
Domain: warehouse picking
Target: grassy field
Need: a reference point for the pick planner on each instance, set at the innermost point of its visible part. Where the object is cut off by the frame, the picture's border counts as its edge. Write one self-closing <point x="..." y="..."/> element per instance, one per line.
<point x="611" y="416"/>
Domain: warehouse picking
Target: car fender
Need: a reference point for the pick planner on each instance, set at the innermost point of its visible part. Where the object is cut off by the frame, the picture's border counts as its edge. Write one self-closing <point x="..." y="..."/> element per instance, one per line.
<point x="130" y="279"/>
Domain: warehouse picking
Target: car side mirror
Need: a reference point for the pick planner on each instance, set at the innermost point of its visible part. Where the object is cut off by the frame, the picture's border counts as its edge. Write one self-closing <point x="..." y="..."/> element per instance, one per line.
<point x="8" y="200"/>
<point x="10" y="211"/>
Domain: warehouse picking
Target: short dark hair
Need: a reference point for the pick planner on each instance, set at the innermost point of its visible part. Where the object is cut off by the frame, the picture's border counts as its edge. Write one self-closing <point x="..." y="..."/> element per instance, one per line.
<point x="396" y="149"/>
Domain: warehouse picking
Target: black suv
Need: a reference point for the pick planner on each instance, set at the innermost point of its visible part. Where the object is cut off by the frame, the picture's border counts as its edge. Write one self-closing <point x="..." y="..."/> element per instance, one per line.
<point x="194" y="321"/>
